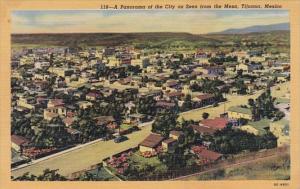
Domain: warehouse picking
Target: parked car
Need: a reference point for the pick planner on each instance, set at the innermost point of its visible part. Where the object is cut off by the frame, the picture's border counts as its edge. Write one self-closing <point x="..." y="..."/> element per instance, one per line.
<point x="120" y="139"/>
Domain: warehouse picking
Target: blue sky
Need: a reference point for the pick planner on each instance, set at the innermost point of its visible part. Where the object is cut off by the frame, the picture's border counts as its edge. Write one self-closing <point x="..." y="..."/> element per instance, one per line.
<point x="192" y="21"/>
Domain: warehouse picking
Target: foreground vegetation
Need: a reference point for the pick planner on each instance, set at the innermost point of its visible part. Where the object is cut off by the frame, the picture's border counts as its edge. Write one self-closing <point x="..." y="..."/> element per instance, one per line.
<point x="277" y="168"/>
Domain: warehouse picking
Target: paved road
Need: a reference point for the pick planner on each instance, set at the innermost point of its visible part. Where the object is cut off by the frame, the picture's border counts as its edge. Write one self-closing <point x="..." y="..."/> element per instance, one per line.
<point x="84" y="157"/>
<point x="92" y="154"/>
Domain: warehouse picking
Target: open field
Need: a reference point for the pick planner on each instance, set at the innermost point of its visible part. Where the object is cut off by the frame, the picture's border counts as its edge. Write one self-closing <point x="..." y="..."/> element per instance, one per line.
<point x="275" y="168"/>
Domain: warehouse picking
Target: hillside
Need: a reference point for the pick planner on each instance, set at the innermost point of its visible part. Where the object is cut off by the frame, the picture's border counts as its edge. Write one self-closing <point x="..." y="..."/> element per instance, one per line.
<point x="280" y="39"/>
<point x="103" y="39"/>
<point x="257" y="28"/>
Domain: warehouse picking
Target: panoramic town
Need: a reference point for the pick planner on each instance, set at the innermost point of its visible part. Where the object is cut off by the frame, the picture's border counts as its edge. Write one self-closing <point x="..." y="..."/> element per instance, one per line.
<point x="159" y="108"/>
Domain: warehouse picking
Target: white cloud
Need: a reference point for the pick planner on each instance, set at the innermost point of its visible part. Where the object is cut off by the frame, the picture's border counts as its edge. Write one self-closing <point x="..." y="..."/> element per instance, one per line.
<point x="139" y="21"/>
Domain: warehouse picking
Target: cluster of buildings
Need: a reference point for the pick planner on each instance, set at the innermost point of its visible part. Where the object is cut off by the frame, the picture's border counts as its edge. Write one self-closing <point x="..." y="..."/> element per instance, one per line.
<point x="59" y="82"/>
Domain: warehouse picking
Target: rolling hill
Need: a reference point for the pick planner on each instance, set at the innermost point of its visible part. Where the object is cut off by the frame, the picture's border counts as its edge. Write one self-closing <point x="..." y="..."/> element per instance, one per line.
<point x="257" y="28"/>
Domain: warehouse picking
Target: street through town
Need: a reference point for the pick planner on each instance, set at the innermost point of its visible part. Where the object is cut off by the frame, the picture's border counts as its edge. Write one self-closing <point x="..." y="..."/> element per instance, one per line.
<point x="83" y="158"/>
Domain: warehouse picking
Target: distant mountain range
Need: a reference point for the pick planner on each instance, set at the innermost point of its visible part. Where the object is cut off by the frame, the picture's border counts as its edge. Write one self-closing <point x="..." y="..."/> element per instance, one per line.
<point x="257" y="28"/>
<point x="161" y="40"/>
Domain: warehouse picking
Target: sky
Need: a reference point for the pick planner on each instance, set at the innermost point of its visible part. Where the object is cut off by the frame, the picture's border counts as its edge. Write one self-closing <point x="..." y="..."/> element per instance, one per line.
<point x="124" y="21"/>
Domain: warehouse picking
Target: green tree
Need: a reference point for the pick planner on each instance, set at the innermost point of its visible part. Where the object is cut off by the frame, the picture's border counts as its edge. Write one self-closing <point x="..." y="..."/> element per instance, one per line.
<point x="205" y="115"/>
<point x="187" y="104"/>
<point x="164" y="123"/>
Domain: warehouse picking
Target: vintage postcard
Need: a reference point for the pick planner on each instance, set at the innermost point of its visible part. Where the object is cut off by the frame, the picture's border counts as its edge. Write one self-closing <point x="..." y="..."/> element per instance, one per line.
<point x="178" y="94"/>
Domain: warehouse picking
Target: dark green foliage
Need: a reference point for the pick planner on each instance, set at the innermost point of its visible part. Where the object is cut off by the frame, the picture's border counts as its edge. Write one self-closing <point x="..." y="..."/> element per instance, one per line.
<point x="232" y="141"/>
<point x="205" y="115"/>
<point x="187" y="104"/>
<point x="164" y="123"/>
<point x="146" y="106"/>
<point x="48" y="175"/>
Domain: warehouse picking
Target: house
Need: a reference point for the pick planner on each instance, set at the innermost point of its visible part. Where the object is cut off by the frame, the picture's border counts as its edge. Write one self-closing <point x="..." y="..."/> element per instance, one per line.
<point x="250" y="88"/>
<point x="55" y="103"/>
<point x="214" y="70"/>
<point x="203" y="130"/>
<point x="206" y="155"/>
<point x="238" y="112"/>
<point x="68" y="121"/>
<point x="84" y="104"/>
<point x="256" y="127"/>
<point x="217" y="123"/>
<point x="281" y="77"/>
<point x="137" y="118"/>
<point x="281" y="130"/>
<point x="173" y="95"/>
<point x="150" y="143"/>
<point x="204" y="100"/>
<point x="19" y="142"/>
<point x="163" y="105"/>
<point x="63" y="72"/>
<point x="104" y="120"/>
<point x="41" y="65"/>
<point x="25" y="102"/>
<point x="250" y="129"/>
<point x="92" y="96"/>
<point x="51" y="112"/>
<point x="176" y="134"/>
<point x="48" y="115"/>
<point x="169" y="144"/>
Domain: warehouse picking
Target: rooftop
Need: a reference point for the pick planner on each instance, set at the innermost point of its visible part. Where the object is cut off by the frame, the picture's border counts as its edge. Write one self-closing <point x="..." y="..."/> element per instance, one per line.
<point x="152" y="140"/>
<point x="19" y="140"/>
<point x="239" y="109"/>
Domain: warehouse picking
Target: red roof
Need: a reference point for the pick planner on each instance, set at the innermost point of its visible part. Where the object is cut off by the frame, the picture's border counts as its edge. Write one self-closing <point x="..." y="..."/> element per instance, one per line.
<point x="202" y="152"/>
<point x="19" y="140"/>
<point x="165" y="104"/>
<point x="56" y="102"/>
<point x="152" y="140"/>
<point x="169" y="141"/>
<point x="203" y="130"/>
<point x="176" y="133"/>
<point x="205" y="96"/>
<point x="216" y="123"/>
<point x="68" y="121"/>
<point x="174" y="94"/>
<point x="93" y="94"/>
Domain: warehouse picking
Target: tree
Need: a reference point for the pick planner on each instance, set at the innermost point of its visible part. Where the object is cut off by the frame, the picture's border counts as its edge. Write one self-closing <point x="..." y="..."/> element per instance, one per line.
<point x="164" y="123"/>
<point x="251" y="102"/>
<point x="51" y="175"/>
<point x="205" y="115"/>
<point x="187" y="104"/>
<point x="174" y="75"/>
<point x="87" y="177"/>
<point x="47" y="175"/>
<point x="26" y="177"/>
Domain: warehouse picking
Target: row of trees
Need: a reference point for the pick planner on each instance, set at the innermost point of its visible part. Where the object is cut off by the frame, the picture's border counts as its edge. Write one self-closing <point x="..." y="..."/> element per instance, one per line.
<point x="89" y="129"/>
<point x="47" y="175"/>
<point x="233" y="141"/>
<point x="263" y="107"/>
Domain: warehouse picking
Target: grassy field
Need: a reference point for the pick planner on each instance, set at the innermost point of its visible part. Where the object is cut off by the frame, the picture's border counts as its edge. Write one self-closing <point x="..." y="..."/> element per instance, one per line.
<point x="277" y="168"/>
<point x="142" y="162"/>
<point x="103" y="174"/>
